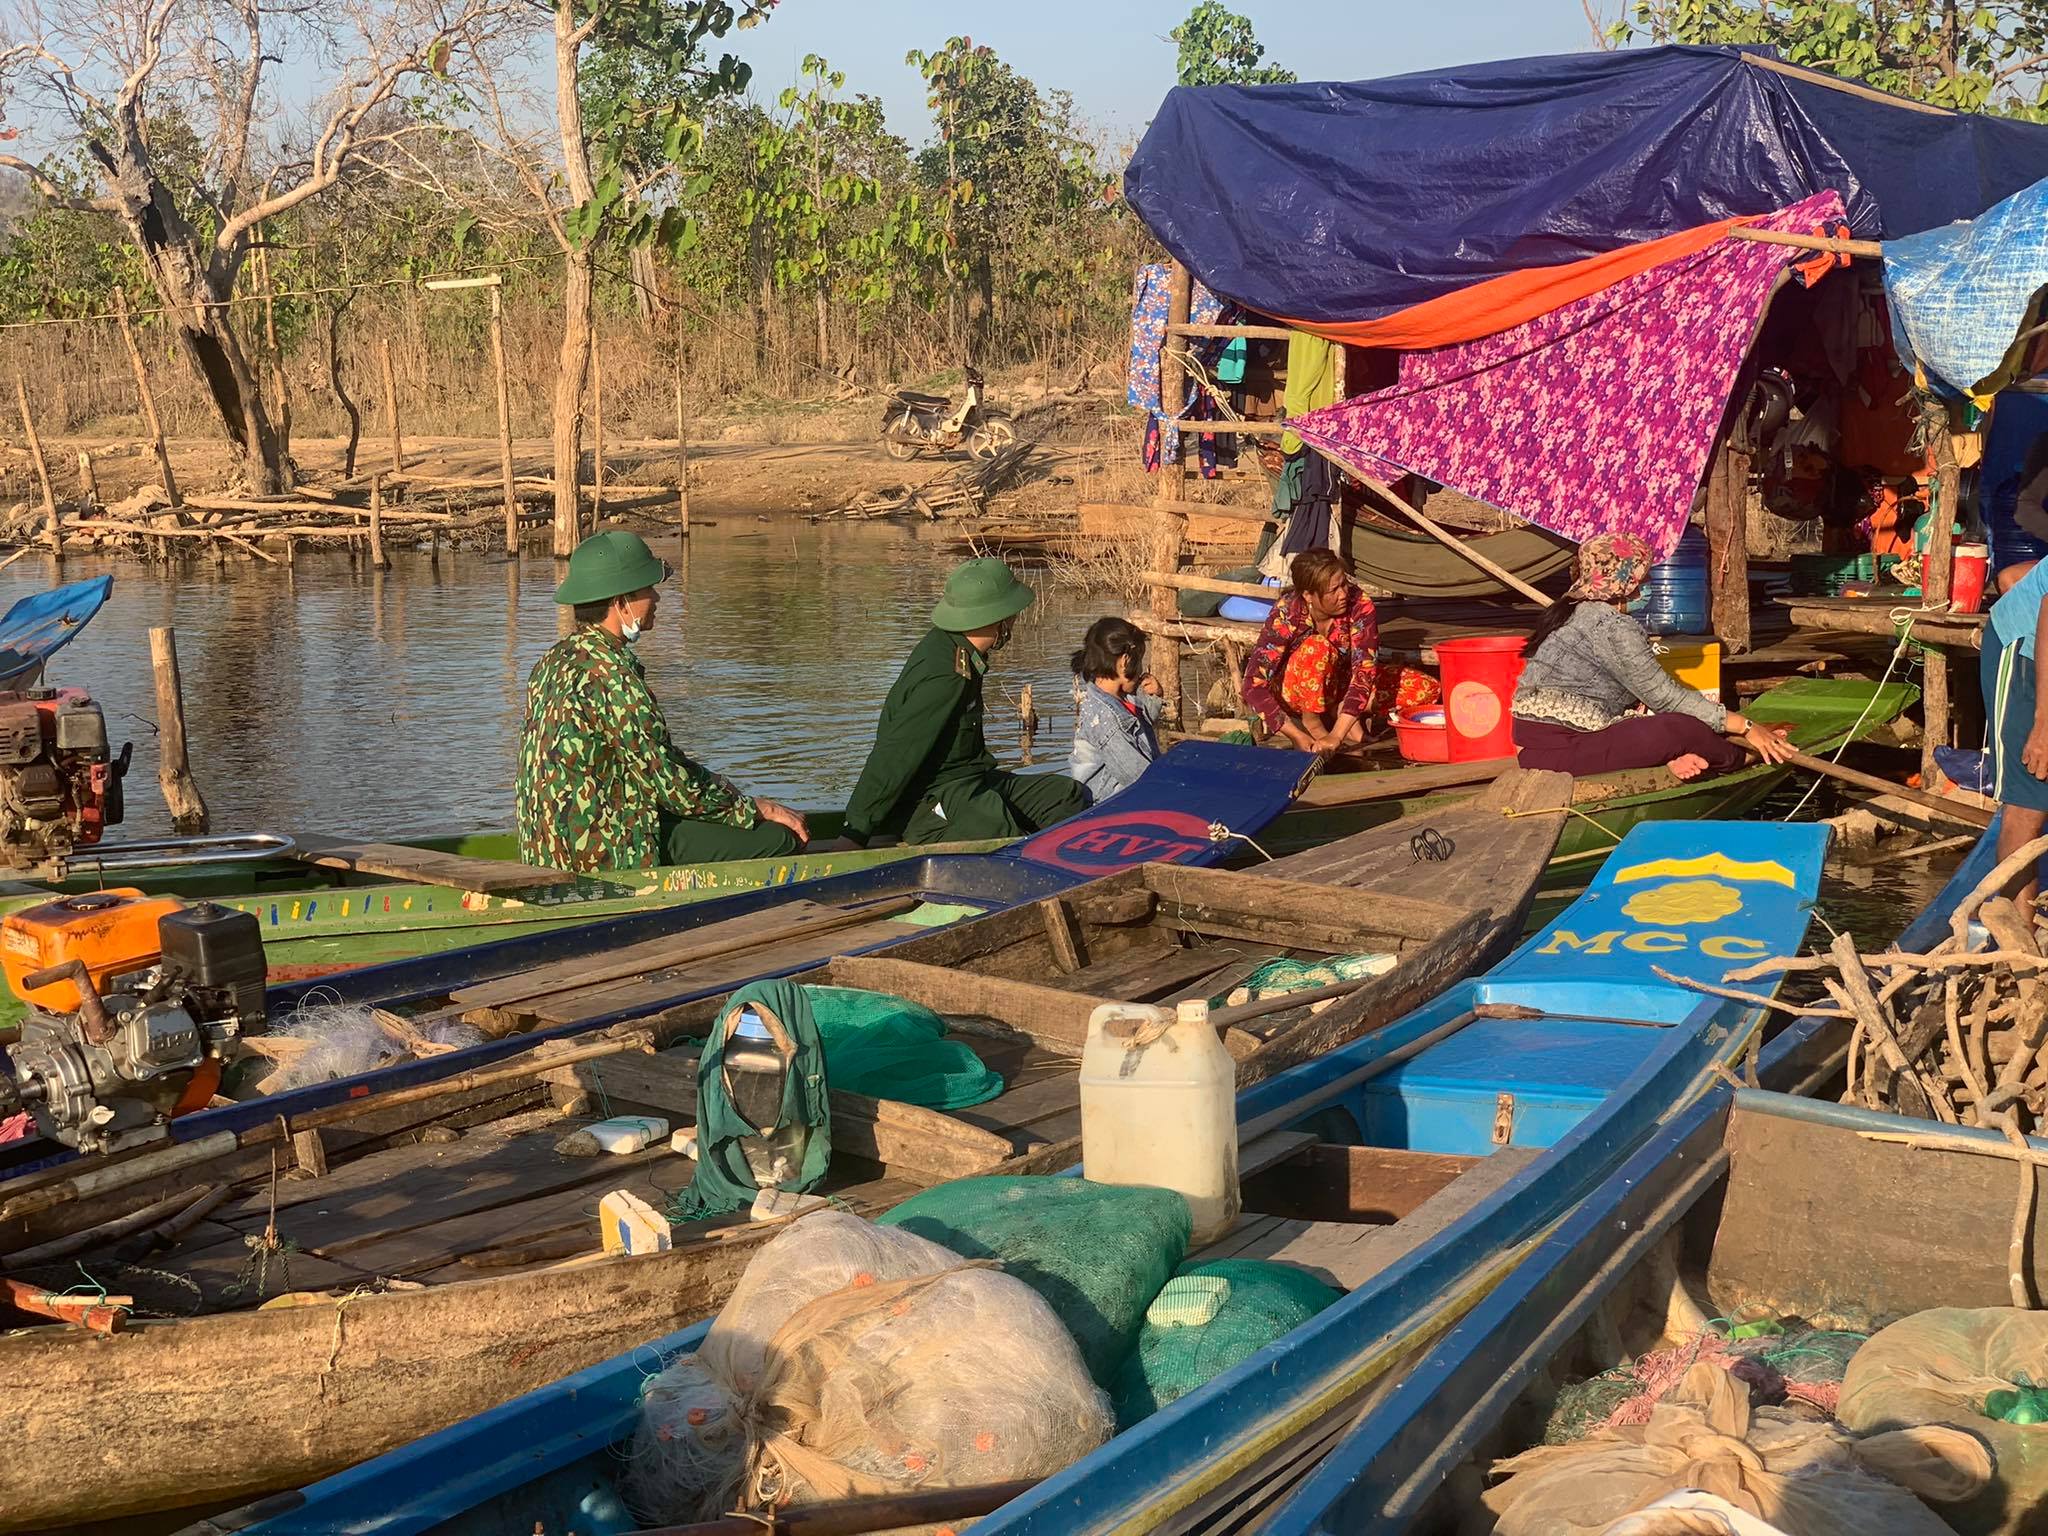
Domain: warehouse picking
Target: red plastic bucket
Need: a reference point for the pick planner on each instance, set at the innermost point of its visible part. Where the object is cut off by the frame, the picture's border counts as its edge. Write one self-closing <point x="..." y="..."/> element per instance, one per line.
<point x="1423" y="735"/>
<point x="1966" y="577"/>
<point x="1479" y="677"/>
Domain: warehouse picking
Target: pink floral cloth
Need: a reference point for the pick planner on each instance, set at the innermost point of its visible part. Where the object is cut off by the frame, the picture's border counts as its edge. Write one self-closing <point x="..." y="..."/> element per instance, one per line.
<point x="1595" y="418"/>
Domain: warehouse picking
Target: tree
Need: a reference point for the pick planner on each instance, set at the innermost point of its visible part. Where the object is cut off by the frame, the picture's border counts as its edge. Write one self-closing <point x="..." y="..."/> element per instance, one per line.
<point x="809" y="178"/>
<point x="596" y="187"/>
<point x="171" y="102"/>
<point x="1217" y="48"/>
<point x="1972" y="57"/>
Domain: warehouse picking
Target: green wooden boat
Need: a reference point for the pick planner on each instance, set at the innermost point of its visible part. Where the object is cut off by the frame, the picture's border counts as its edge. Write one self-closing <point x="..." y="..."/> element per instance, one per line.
<point x="1824" y="714"/>
<point x="334" y="904"/>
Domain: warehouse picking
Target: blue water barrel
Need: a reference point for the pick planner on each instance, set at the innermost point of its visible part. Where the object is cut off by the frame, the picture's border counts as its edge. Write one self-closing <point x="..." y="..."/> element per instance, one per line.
<point x="1674" y="599"/>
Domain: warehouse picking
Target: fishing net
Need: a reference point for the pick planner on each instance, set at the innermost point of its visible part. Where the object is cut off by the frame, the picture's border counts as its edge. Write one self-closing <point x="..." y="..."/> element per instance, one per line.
<point x="1280" y="976"/>
<point x="1969" y="1367"/>
<point x="1807" y="1478"/>
<point x="1260" y="1303"/>
<point x="933" y="1380"/>
<point x="1790" y="1365"/>
<point x="1098" y="1253"/>
<point x="322" y="1042"/>
<point x="691" y="1445"/>
<point x="891" y="1048"/>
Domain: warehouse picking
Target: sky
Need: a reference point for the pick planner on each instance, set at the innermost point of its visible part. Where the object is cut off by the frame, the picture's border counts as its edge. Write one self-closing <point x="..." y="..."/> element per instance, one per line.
<point x="1115" y="56"/>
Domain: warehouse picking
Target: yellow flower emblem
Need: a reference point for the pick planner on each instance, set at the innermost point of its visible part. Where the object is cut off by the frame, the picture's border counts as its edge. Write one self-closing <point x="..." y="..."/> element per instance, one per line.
<point x="1684" y="901"/>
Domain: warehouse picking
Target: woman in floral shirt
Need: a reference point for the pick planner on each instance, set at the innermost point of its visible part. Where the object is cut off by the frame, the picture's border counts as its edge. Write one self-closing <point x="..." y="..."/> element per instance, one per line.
<point x="1314" y="677"/>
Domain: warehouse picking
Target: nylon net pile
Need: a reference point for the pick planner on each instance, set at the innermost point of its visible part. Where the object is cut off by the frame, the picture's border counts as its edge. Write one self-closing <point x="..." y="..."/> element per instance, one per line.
<point x="858" y="1360"/>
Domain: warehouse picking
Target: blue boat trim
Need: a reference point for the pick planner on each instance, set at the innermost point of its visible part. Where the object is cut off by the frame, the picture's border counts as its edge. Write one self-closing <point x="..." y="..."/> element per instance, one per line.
<point x="36" y="627"/>
<point x="1675" y="908"/>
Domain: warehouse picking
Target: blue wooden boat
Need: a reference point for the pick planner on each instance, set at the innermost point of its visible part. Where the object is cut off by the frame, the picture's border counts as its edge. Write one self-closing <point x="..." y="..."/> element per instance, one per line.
<point x="1498" y="1107"/>
<point x="43" y="623"/>
<point x="1389" y="1473"/>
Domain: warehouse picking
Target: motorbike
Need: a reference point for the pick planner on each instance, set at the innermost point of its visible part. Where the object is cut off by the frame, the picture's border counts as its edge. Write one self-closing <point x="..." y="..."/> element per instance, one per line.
<point x="913" y="422"/>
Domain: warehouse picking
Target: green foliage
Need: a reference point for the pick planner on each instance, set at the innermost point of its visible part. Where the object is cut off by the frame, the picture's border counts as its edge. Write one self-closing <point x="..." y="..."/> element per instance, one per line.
<point x="1217" y="48"/>
<point x="1975" y="58"/>
<point x="815" y="169"/>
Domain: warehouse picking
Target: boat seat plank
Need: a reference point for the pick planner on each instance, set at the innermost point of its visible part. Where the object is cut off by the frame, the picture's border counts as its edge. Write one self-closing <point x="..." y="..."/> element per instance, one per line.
<point x="1139" y="975"/>
<point x="426" y="865"/>
<point x="1442" y="1210"/>
<point x="1332" y="1251"/>
<point x="221" y="1269"/>
<point x="658" y="986"/>
<point x="1054" y="1016"/>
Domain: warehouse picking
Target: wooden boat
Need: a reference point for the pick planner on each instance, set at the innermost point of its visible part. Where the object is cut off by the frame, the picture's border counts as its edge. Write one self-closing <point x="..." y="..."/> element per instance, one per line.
<point x="1437" y="1151"/>
<point x="37" y="626"/>
<point x="1824" y="713"/>
<point x="462" y="1223"/>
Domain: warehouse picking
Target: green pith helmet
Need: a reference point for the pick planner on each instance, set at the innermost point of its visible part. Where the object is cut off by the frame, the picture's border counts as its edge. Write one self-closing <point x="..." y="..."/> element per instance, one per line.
<point x="979" y="593"/>
<point x="608" y="565"/>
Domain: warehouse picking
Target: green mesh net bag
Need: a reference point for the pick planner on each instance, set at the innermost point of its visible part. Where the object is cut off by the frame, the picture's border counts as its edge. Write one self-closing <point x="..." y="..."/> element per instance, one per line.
<point x="1263" y="1302"/>
<point x="1098" y="1253"/>
<point x="1284" y="974"/>
<point x="891" y="1048"/>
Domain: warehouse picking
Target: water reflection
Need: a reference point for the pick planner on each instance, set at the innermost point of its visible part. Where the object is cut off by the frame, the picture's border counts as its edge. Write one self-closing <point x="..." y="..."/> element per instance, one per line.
<point x="333" y="697"/>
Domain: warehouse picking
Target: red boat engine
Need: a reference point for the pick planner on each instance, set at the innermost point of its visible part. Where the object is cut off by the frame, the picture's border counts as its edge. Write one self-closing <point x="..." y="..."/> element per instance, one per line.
<point x="60" y="787"/>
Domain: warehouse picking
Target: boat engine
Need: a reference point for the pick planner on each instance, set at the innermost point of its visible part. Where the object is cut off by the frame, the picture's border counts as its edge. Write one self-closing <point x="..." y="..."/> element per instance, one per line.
<point x="135" y="1004"/>
<point x="60" y="788"/>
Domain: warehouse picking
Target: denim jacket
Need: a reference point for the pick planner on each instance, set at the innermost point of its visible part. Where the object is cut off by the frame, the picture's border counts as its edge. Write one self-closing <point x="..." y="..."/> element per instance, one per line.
<point x="1112" y="746"/>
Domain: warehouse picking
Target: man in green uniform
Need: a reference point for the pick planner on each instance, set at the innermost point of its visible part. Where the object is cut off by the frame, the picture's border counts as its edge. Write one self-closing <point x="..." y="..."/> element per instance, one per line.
<point x="930" y="776"/>
<point x="601" y="785"/>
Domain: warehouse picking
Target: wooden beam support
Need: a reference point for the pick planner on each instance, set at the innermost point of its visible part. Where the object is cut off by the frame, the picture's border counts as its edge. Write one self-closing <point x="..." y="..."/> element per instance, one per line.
<point x="1181" y="583"/>
<point x="1248" y="332"/>
<point x="1232" y="428"/>
<point x="174" y="769"/>
<point x="1935" y="574"/>
<point x="1728" y="546"/>
<point x="1436" y="530"/>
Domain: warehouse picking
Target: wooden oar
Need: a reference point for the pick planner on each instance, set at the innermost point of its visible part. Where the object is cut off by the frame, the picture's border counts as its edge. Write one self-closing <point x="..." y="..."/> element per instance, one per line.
<point x="1972" y="815"/>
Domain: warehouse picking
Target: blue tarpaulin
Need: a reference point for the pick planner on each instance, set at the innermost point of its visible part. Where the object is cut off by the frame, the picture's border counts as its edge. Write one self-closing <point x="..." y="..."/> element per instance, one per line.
<point x="1960" y="294"/>
<point x="1333" y="202"/>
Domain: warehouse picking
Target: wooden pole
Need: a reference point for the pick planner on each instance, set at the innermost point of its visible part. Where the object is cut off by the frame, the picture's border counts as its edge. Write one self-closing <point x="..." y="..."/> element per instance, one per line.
<point x="51" y="534"/>
<point x="88" y="480"/>
<point x="1169" y="529"/>
<point x="1436" y="530"/>
<point x="280" y="386"/>
<point x="147" y="396"/>
<point x="1728" y="546"/>
<point x="391" y="406"/>
<point x="1935" y="574"/>
<point x="682" y="455"/>
<point x="504" y="422"/>
<point x="173" y="766"/>
<point x="377" y="560"/>
<point x="596" y="439"/>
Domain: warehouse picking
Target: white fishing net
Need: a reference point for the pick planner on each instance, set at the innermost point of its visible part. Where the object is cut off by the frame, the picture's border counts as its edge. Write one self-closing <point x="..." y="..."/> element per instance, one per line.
<point x="321" y="1042"/>
<point x="902" y="1377"/>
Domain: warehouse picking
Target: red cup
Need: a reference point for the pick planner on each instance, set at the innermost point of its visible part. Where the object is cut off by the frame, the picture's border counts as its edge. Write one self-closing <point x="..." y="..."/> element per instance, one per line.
<point x="1966" y="577"/>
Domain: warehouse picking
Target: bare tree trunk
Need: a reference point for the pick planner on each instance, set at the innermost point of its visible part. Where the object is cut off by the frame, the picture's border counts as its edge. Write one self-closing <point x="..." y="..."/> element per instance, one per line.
<point x="571" y="374"/>
<point x="355" y="416"/>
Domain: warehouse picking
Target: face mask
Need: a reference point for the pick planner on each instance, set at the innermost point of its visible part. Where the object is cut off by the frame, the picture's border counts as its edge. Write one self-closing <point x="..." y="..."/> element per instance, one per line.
<point x="1002" y="635"/>
<point x="629" y="631"/>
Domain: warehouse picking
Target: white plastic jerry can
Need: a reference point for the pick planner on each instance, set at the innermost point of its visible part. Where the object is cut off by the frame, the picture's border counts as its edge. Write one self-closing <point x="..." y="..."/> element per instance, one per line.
<point x="1159" y="1107"/>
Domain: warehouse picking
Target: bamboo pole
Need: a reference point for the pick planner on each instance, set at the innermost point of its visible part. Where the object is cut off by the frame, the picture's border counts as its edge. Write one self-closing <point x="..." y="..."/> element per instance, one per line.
<point x="391" y="405"/>
<point x="504" y="421"/>
<point x="1935" y="582"/>
<point x="1169" y="529"/>
<point x="147" y="396"/>
<point x="1865" y="248"/>
<point x="173" y="766"/>
<point x="88" y="480"/>
<point x="377" y="560"/>
<point x="51" y="535"/>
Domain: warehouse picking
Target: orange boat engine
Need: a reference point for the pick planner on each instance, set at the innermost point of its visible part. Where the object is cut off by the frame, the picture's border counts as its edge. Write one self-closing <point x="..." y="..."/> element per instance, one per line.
<point x="135" y="1004"/>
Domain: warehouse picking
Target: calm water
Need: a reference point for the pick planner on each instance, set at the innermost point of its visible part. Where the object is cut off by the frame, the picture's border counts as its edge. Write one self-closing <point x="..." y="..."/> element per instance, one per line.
<point x="336" y="699"/>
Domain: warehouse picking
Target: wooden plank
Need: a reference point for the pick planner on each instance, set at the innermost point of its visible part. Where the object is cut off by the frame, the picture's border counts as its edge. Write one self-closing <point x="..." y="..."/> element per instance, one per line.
<point x="896" y="1135"/>
<point x="635" y="995"/>
<point x="1228" y="904"/>
<point x="1357" y="1184"/>
<point x="1055" y="1017"/>
<point x="1064" y="942"/>
<point x="1399" y="783"/>
<point x="1142" y="974"/>
<point x="427" y="865"/>
<point x="1332" y="1251"/>
<point x="727" y="937"/>
<point x="1442" y="1210"/>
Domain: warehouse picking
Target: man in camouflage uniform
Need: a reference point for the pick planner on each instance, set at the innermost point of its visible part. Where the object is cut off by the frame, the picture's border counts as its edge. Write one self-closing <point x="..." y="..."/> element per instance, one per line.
<point x="930" y="776"/>
<point x="601" y="785"/>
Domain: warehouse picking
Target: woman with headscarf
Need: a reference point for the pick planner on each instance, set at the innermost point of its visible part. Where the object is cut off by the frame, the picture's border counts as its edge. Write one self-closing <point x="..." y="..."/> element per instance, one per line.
<point x="1589" y="675"/>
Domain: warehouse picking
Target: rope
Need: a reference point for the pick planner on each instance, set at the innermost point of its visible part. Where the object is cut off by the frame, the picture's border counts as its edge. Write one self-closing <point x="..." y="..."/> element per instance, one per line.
<point x="1903" y="618"/>
<point x="1219" y="833"/>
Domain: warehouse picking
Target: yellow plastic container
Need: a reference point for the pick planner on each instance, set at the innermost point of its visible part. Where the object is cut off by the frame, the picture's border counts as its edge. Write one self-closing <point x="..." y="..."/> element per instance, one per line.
<point x="1694" y="660"/>
<point x="1159" y="1108"/>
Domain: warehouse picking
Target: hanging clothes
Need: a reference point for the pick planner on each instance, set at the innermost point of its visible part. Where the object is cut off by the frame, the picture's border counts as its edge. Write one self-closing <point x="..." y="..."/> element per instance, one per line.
<point x="1312" y="515"/>
<point x="1312" y="381"/>
<point x="1149" y="303"/>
